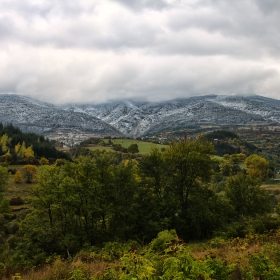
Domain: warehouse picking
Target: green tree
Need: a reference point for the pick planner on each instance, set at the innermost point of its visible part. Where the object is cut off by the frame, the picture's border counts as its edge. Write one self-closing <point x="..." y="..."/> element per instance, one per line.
<point x="189" y="165"/>
<point x="125" y="187"/>
<point x="44" y="161"/>
<point x="226" y="167"/>
<point x="4" y="176"/>
<point x="153" y="170"/>
<point x="133" y="148"/>
<point x="188" y="170"/>
<point x="246" y="196"/>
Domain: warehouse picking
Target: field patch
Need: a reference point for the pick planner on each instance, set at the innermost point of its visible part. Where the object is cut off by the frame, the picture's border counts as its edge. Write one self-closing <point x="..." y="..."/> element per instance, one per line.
<point x="144" y="147"/>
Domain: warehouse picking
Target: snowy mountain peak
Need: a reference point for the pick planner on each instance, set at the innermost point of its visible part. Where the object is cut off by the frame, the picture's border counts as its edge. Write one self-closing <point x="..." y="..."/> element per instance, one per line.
<point x="132" y="118"/>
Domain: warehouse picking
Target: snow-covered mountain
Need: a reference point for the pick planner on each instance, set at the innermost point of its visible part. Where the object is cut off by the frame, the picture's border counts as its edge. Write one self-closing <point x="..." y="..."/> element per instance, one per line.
<point x="133" y="118"/>
<point x="31" y="115"/>
<point x="139" y="118"/>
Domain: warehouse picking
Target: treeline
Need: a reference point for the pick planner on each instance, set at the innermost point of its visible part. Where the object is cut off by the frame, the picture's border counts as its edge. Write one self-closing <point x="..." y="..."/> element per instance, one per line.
<point x="40" y="146"/>
<point x="227" y="142"/>
<point x="103" y="198"/>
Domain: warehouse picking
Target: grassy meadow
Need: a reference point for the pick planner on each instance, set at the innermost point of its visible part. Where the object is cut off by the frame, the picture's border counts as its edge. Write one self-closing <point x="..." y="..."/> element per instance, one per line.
<point x="144" y="147"/>
<point x="18" y="192"/>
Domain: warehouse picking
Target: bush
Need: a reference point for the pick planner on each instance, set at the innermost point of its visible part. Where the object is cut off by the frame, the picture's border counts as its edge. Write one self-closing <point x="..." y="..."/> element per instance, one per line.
<point x="5" y="206"/>
<point x="12" y="227"/>
<point x="164" y="240"/>
<point x="18" y="177"/>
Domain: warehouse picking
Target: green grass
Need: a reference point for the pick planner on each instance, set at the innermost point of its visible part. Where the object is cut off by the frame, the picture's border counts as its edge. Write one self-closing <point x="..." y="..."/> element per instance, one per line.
<point x="217" y="158"/>
<point x="144" y="147"/>
<point x="101" y="148"/>
<point x="17" y="189"/>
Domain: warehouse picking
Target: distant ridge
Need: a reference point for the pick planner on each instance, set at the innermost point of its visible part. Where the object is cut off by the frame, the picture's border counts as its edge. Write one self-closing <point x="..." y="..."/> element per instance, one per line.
<point x="31" y="115"/>
<point x="137" y="118"/>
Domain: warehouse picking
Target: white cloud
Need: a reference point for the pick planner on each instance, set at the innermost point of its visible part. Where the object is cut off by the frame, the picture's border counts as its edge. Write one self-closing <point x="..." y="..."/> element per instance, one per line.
<point x="76" y="51"/>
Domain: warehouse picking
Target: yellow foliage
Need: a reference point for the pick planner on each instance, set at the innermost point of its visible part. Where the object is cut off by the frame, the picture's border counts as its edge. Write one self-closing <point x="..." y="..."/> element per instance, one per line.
<point x="30" y="173"/>
<point x="22" y="149"/>
<point x="18" y="177"/>
<point x="17" y="147"/>
<point x="257" y="167"/>
<point x="29" y="153"/>
<point x="44" y="161"/>
<point x="5" y="141"/>
<point x="241" y="156"/>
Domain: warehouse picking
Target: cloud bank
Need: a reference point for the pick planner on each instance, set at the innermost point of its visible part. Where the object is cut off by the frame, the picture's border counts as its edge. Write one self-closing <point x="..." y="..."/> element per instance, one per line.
<point x="95" y="51"/>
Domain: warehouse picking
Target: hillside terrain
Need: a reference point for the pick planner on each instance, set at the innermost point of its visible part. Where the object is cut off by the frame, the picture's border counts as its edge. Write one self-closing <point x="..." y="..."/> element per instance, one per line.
<point x="118" y="215"/>
<point x="42" y="118"/>
<point x="140" y="118"/>
<point x="74" y="123"/>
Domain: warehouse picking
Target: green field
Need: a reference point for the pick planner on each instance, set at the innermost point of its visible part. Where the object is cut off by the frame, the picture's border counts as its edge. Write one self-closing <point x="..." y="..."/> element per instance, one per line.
<point x="144" y="147"/>
<point x="15" y="190"/>
<point x="99" y="147"/>
<point x="217" y="158"/>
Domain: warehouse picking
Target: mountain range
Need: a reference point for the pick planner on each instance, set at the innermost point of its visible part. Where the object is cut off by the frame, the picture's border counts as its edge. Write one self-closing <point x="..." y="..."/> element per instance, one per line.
<point x="135" y="118"/>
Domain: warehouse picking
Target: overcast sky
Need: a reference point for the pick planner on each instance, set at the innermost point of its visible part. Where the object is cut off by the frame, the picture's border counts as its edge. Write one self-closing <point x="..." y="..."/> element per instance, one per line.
<point x="94" y="51"/>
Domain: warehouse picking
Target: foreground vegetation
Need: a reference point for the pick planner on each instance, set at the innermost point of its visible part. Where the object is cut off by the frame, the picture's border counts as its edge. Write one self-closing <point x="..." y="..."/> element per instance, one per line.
<point x="97" y="216"/>
<point x="166" y="257"/>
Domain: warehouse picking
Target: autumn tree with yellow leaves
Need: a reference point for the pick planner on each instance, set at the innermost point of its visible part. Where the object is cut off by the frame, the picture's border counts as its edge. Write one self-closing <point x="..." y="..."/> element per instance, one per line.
<point x="257" y="167"/>
<point x="30" y="173"/>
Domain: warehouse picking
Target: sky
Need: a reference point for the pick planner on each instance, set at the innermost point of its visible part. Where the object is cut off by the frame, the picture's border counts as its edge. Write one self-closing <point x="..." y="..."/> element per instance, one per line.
<point x="84" y="51"/>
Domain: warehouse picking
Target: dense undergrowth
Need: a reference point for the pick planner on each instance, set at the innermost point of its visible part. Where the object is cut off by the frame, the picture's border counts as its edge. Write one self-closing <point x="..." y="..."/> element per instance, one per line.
<point x="166" y="257"/>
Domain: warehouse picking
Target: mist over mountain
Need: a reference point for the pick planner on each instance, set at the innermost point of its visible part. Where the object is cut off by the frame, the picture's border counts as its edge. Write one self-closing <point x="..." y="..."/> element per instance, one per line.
<point x="135" y="118"/>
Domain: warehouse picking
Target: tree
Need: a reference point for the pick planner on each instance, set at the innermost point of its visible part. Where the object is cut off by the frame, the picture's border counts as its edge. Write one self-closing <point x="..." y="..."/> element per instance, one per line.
<point x="152" y="170"/>
<point x="117" y="147"/>
<point x="29" y="153"/>
<point x="18" y="177"/>
<point x="5" y="141"/>
<point x="4" y="176"/>
<point x="17" y="147"/>
<point x="189" y="165"/>
<point x="257" y="167"/>
<point x="30" y="173"/>
<point x="44" y="161"/>
<point x="21" y="150"/>
<point x="226" y="167"/>
<point x="246" y="196"/>
<point x="133" y="148"/>
<point x="188" y="170"/>
<point x="4" y="203"/>
<point x="241" y="156"/>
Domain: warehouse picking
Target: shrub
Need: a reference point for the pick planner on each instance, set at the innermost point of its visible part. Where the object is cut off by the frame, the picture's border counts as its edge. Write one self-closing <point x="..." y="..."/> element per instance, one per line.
<point x="18" y="177"/>
<point x="12" y="227"/>
<point x="164" y="240"/>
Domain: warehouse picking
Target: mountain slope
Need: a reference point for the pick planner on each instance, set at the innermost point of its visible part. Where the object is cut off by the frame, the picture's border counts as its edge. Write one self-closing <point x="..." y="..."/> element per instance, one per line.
<point x="42" y="118"/>
<point x="133" y="118"/>
<point x="140" y="118"/>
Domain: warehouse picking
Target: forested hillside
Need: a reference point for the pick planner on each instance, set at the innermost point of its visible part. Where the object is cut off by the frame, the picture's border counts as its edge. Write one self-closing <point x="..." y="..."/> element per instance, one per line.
<point x="19" y="147"/>
<point x="75" y="208"/>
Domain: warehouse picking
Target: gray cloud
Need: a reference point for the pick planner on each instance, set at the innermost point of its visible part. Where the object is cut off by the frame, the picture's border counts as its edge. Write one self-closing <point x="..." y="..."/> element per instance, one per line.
<point x="144" y="4"/>
<point x="82" y="52"/>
